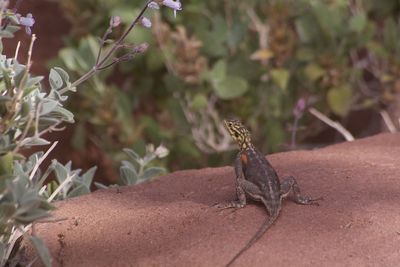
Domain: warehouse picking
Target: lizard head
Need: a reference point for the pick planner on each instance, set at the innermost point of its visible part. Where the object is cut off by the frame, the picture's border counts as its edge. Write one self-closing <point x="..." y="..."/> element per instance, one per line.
<point x="238" y="132"/>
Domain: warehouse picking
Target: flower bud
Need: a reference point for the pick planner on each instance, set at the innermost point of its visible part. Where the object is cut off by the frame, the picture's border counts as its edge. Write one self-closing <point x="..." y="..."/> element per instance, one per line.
<point x="141" y="48"/>
<point x="161" y="151"/>
<point x="115" y="21"/>
<point x="145" y="22"/>
<point x="153" y="5"/>
<point x="175" y="5"/>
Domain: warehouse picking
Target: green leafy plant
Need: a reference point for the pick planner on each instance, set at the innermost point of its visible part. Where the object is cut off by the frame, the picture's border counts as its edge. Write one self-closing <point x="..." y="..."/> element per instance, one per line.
<point x="26" y="200"/>
<point x="137" y="170"/>
<point x="26" y="114"/>
<point x="68" y="182"/>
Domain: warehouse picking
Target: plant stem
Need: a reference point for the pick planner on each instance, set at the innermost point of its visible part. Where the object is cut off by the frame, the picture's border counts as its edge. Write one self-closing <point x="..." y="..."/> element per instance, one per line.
<point x="100" y="61"/>
<point x="123" y="36"/>
<point x="36" y="167"/>
<point x="294" y="131"/>
<point x="346" y="134"/>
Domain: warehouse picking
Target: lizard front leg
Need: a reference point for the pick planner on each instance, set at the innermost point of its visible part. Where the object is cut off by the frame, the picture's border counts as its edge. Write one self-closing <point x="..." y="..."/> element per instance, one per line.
<point x="290" y="184"/>
<point x="240" y="193"/>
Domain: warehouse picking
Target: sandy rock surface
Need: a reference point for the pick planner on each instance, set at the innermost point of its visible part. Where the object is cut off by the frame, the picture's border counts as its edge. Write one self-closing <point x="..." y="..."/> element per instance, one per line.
<point x="170" y="222"/>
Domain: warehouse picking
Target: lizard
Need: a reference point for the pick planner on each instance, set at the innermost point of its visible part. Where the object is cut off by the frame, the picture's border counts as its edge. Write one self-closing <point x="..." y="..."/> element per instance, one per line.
<point x="257" y="179"/>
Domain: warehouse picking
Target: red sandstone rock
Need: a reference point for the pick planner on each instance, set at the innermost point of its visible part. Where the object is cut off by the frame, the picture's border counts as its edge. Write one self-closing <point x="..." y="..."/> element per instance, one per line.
<point x="170" y="222"/>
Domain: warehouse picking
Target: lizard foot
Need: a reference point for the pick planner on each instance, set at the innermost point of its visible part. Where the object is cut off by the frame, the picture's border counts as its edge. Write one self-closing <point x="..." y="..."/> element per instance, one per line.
<point x="308" y="200"/>
<point x="230" y="205"/>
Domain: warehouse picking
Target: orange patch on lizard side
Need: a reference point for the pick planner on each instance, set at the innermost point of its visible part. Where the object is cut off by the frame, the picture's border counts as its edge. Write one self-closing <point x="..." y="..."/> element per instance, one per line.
<point x="243" y="158"/>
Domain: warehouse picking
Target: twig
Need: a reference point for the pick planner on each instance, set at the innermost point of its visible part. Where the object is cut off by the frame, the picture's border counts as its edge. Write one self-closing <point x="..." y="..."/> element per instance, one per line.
<point x="17" y="50"/>
<point x="36" y="167"/>
<point x="60" y="187"/>
<point x="337" y="126"/>
<point x="388" y="121"/>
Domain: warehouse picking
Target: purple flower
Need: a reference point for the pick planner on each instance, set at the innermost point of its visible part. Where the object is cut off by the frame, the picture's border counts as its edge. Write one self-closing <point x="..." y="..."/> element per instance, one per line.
<point x="28" y="22"/>
<point x="298" y="110"/>
<point x="145" y="22"/>
<point x="175" y="5"/>
<point x="153" y="5"/>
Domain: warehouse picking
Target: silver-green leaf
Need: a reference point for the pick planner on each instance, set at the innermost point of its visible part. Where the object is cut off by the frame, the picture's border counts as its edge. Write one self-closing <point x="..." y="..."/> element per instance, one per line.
<point x="55" y="80"/>
<point x="128" y="175"/>
<point x="42" y="250"/>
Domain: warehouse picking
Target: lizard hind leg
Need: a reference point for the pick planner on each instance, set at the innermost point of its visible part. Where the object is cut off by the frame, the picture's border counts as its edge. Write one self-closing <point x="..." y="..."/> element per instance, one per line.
<point x="290" y="184"/>
<point x="240" y="203"/>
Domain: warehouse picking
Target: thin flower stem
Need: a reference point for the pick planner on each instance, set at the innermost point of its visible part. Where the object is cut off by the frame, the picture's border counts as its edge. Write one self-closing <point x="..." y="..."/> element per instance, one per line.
<point x="106" y="33"/>
<point x="109" y="64"/>
<point x="83" y="78"/>
<point x="123" y="36"/>
<point x="99" y="62"/>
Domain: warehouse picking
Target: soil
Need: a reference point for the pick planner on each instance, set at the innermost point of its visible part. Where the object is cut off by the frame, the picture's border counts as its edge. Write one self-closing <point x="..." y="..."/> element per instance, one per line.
<point x="171" y="221"/>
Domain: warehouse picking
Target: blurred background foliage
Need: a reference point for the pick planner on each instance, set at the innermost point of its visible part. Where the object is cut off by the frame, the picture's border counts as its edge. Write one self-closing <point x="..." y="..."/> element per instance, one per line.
<point x="249" y="59"/>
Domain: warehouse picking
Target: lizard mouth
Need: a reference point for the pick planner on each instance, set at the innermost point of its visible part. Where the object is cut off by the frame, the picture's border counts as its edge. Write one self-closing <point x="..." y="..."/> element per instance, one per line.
<point x="226" y="124"/>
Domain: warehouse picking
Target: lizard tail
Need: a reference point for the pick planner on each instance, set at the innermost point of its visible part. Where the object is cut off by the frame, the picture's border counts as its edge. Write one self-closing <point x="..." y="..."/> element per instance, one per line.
<point x="266" y="225"/>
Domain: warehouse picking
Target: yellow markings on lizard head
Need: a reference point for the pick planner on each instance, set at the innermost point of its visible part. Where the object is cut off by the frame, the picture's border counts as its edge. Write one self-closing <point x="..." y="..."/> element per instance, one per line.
<point x="238" y="132"/>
